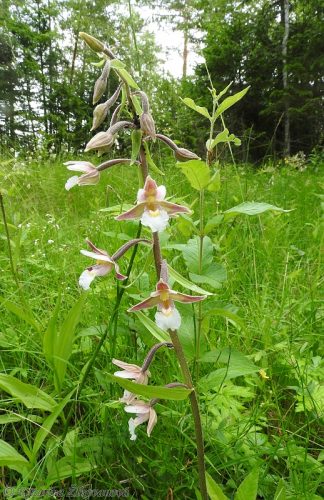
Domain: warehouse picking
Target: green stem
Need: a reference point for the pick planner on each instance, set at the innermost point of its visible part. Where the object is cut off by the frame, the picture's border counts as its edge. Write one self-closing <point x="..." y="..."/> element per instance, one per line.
<point x="200" y="261"/>
<point x="195" y="412"/>
<point x="12" y="266"/>
<point x="181" y="358"/>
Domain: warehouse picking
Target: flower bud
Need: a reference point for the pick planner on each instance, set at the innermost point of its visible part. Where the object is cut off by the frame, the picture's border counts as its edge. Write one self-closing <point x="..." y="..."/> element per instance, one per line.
<point x="148" y="125"/>
<point x="101" y="140"/>
<point x="92" y="42"/>
<point x="183" y="154"/>
<point x="101" y="83"/>
<point x="99" y="115"/>
<point x="100" y="112"/>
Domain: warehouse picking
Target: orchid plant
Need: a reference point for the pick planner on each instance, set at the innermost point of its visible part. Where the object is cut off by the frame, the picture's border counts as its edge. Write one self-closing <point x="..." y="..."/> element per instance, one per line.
<point x="154" y="211"/>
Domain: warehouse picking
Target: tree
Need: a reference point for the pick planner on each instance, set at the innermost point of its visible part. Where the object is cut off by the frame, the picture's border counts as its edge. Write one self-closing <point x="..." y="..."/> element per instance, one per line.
<point x="247" y="43"/>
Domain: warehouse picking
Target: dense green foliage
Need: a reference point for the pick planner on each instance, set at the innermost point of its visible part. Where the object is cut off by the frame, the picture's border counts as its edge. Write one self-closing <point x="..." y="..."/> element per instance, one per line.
<point x="243" y="44"/>
<point x="44" y="74"/>
<point x="267" y="312"/>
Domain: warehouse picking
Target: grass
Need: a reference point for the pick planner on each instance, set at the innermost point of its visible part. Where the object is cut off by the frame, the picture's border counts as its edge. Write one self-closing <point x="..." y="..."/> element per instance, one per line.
<point x="272" y="292"/>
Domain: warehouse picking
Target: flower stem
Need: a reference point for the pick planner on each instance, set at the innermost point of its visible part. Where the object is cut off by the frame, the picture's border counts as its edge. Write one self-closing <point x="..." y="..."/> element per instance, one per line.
<point x="12" y="265"/>
<point x="195" y="412"/>
<point x="180" y="355"/>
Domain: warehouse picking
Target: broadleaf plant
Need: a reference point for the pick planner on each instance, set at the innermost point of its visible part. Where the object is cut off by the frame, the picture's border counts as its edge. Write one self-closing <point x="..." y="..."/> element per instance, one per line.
<point x="180" y="328"/>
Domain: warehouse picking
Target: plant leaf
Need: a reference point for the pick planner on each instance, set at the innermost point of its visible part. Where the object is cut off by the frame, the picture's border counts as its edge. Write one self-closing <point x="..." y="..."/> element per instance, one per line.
<point x="237" y="365"/>
<point x="219" y="311"/>
<point x="280" y="493"/>
<point x="28" y="394"/>
<point x="252" y="208"/>
<point x="22" y="313"/>
<point x="127" y="78"/>
<point x="117" y="64"/>
<point x="136" y="137"/>
<point x="68" y="467"/>
<point x="150" y="161"/>
<point x="197" y="173"/>
<point x="199" y="109"/>
<point x="214" y="490"/>
<point x="215" y="182"/>
<point x="222" y="92"/>
<point x="48" y="423"/>
<point x="50" y="334"/>
<point x="229" y="101"/>
<point x="9" y="457"/>
<point x="186" y="283"/>
<point x="151" y="391"/>
<point x="157" y="332"/>
<point x="223" y="136"/>
<point x="248" y="489"/>
<point x="65" y="339"/>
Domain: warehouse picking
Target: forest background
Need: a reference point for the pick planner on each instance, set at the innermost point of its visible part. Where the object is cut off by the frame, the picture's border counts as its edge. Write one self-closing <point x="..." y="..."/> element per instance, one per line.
<point x="275" y="46"/>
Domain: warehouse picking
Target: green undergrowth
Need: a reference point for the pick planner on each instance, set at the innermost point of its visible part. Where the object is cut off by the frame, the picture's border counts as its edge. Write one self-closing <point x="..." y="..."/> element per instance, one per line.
<point x="261" y="361"/>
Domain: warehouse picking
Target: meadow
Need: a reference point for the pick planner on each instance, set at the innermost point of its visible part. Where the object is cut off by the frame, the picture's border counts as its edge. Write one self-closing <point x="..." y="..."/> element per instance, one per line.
<point x="263" y="410"/>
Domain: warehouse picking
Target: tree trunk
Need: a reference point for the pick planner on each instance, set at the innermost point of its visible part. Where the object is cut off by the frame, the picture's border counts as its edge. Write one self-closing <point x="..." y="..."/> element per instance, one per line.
<point x="285" y="22"/>
<point x="75" y="49"/>
<point x="185" y="54"/>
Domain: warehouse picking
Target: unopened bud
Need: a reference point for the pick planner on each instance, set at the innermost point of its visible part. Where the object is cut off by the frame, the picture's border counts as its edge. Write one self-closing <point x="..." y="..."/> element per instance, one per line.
<point x="99" y="115"/>
<point x="101" y="83"/>
<point x="148" y="125"/>
<point x="92" y="42"/>
<point x="100" y="112"/>
<point x="183" y="154"/>
<point x="101" y="140"/>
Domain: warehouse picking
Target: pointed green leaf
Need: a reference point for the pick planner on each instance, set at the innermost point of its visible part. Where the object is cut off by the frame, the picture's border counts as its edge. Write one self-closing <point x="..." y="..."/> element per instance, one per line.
<point x="117" y="64"/>
<point x="136" y="137"/>
<point x="65" y="340"/>
<point x="28" y="394"/>
<point x="214" y="490"/>
<point x="126" y="77"/>
<point x="49" y="338"/>
<point x="280" y="493"/>
<point x="252" y="208"/>
<point x="248" y="489"/>
<point x="223" y="136"/>
<point x="151" y="391"/>
<point x="218" y="311"/>
<point x="69" y="467"/>
<point x="21" y="312"/>
<point x="197" y="173"/>
<point x="186" y="283"/>
<point x="199" y="109"/>
<point x="230" y="101"/>
<point x="48" y="423"/>
<point x="213" y="222"/>
<point x="215" y="182"/>
<point x="157" y="332"/>
<point x="9" y="457"/>
<point x="137" y="104"/>
<point x="237" y="365"/>
<point x="223" y="92"/>
<point x="150" y="162"/>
